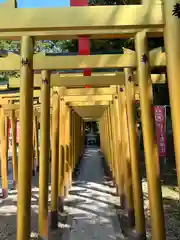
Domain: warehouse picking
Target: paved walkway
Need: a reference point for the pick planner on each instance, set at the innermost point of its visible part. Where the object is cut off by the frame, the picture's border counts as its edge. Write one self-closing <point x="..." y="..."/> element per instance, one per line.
<point x="90" y="206"/>
<point x="92" y="202"/>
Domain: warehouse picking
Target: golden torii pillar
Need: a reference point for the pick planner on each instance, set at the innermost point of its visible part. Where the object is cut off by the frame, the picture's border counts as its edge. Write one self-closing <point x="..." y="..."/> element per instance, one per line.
<point x="149" y="137"/>
<point x="61" y="154"/>
<point x="14" y="147"/>
<point x="119" y="133"/>
<point x="126" y="155"/>
<point x="26" y="133"/>
<point x="36" y="141"/>
<point x="172" y="40"/>
<point x="54" y="161"/>
<point x="135" y="155"/>
<point x="44" y="155"/>
<point x="66" y="148"/>
<point x="4" y="154"/>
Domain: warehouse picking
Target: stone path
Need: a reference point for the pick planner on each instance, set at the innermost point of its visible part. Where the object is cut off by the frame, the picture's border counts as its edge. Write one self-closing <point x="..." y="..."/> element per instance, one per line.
<point x="92" y="202"/>
<point x="90" y="206"/>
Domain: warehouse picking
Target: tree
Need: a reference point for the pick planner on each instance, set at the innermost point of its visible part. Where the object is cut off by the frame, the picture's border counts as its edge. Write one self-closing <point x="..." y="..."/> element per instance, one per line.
<point x="113" y="2"/>
<point x="40" y="46"/>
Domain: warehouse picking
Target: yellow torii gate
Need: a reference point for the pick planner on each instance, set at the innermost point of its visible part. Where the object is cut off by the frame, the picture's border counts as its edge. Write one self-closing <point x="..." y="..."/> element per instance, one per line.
<point x="143" y="21"/>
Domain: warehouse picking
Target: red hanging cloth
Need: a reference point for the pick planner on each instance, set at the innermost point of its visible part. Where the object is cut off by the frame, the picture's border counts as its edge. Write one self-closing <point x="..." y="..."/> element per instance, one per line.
<point x="83" y="43"/>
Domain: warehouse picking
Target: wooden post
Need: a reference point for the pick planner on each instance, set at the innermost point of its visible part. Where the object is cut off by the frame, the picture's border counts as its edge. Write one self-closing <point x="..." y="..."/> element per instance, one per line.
<point x="36" y="139"/>
<point x="67" y="152"/>
<point x="72" y="139"/>
<point x="171" y="39"/>
<point x="135" y="155"/>
<point x="7" y="138"/>
<point x="14" y="149"/>
<point x="26" y="134"/>
<point x="54" y="164"/>
<point x="33" y="150"/>
<point x="75" y="138"/>
<point x="107" y="146"/>
<point x="149" y="136"/>
<point x="61" y="178"/>
<point x="4" y="156"/>
<point x="126" y="156"/>
<point x="109" y="143"/>
<point x="70" y="148"/>
<point x="114" y="142"/>
<point x="120" y="153"/>
<point x="66" y="162"/>
<point x="61" y="156"/>
<point x="44" y="155"/>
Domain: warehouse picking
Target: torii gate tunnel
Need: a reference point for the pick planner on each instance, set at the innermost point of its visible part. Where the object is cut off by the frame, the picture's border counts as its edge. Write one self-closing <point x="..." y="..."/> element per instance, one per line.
<point x="64" y="104"/>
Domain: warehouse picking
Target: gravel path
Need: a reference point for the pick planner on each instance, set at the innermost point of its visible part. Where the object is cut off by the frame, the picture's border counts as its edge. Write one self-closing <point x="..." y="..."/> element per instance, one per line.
<point x="171" y="211"/>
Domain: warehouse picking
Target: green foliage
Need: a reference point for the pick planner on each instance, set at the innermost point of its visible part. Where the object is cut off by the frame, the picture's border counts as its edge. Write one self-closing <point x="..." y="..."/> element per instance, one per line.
<point x="113" y="2"/>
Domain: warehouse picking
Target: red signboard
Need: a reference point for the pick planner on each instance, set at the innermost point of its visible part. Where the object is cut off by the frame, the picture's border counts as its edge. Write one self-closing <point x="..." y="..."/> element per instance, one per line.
<point x="160" y="121"/>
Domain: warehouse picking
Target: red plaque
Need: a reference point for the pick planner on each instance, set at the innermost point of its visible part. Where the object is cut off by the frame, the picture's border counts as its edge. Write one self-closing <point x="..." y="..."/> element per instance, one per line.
<point x="160" y="121"/>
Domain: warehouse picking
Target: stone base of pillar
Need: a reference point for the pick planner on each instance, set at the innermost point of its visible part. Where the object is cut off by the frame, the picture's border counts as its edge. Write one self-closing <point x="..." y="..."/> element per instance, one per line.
<point x="140" y="236"/>
<point x="14" y="185"/>
<point x="61" y="204"/>
<point x="122" y="201"/>
<point x="127" y="224"/>
<point x="131" y="218"/>
<point x="33" y="172"/>
<point x="54" y="219"/>
<point x="133" y="235"/>
<point x="4" y="193"/>
<point x="42" y="238"/>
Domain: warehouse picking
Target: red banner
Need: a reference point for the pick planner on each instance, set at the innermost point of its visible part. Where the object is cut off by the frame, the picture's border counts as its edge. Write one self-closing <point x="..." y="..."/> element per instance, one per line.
<point x="83" y="42"/>
<point x="76" y="3"/>
<point x="84" y="49"/>
<point x="160" y="121"/>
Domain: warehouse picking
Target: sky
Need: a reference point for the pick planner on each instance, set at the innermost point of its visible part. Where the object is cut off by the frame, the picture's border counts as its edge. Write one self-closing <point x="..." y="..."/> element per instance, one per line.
<point x="41" y="3"/>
